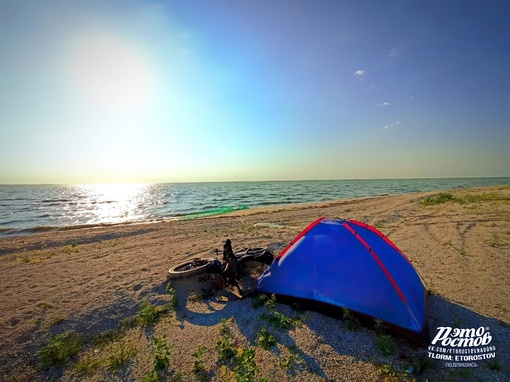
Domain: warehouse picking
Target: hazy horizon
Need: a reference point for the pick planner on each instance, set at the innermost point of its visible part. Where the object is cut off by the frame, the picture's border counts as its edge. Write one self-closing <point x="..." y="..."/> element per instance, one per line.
<point x="186" y="91"/>
<point x="253" y="181"/>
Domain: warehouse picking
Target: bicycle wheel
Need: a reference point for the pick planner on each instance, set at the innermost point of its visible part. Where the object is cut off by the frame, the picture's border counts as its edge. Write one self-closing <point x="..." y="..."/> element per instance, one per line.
<point x="191" y="268"/>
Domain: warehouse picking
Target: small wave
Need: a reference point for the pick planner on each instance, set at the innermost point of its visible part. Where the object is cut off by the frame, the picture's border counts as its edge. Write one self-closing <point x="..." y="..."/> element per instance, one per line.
<point x="215" y="211"/>
<point x="56" y="201"/>
<point x="25" y="231"/>
<point x="11" y="222"/>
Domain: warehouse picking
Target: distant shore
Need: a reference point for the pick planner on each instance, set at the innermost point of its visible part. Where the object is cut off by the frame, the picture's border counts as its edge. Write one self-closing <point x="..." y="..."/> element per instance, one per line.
<point x="90" y="280"/>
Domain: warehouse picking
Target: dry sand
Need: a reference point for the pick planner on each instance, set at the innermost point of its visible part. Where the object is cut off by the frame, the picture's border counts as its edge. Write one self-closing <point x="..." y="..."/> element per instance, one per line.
<point x="88" y="280"/>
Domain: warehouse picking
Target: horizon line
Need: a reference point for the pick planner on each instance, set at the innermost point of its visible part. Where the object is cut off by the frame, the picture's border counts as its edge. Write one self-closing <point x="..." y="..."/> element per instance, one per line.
<point x="251" y="181"/>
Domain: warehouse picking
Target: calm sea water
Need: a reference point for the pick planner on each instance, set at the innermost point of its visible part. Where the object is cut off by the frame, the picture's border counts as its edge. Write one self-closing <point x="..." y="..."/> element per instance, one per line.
<point x="28" y="209"/>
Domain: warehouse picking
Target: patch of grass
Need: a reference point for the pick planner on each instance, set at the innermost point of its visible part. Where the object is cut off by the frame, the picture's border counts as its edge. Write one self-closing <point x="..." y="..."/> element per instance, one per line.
<point x="276" y="318"/>
<point x="195" y="297"/>
<point x="173" y="297"/>
<point x="270" y="303"/>
<point x="442" y="197"/>
<point x="45" y="306"/>
<point x="21" y="258"/>
<point x="60" y="349"/>
<point x="240" y="360"/>
<point x="385" y="345"/>
<point x="279" y="320"/>
<point x="49" y="255"/>
<point x="224" y="329"/>
<point x="121" y="353"/>
<point x="259" y="301"/>
<point x="161" y="353"/>
<point x="199" y="297"/>
<point x="128" y="323"/>
<point x="495" y="241"/>
<point x="473" y="198"/>
<point x="391" y="374"/>
<point x="265" y="339"/>
<point x="379" y="326"/>
<point x="177" y="377"/>
<point x="150" y="314"/>
<point x="495" y="364"/>
<point x="102" y="339"/>
<point x="290" y="359"/>
<point x="351" y="322"/>
<point x="35" y="258"/>
<point x="151" y="376"/>
<point x="249" y="228"/>
<point x="68" y="249"/>
<point x="198" y="366"/>
<point x="246" y="367"/>
<point x="88" y="365"/>
<point x="56" y="321"/>
<point x="224" y="344"/>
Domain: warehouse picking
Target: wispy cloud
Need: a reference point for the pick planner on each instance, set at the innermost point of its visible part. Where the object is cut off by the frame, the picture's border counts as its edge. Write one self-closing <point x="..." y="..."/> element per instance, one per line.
<point x="359" y="72"/>
<point x="393" y="52"/>
<point x="384" y="104"/>
<point x="390" y="125"/>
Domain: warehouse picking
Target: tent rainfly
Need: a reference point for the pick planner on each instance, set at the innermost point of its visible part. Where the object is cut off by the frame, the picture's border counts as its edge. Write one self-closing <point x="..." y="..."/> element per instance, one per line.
<point x="335" y="264"/>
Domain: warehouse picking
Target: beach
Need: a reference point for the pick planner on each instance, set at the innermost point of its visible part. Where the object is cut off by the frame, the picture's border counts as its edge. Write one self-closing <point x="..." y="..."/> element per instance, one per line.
<point x="91" y="282"/>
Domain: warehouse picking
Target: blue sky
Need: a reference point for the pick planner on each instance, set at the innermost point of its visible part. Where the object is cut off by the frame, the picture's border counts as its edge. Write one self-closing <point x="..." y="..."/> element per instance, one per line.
<point x="219" y="90"/>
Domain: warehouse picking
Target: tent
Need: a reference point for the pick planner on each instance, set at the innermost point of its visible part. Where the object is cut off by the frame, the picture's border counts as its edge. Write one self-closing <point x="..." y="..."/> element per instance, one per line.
<point x="335" y="264"/>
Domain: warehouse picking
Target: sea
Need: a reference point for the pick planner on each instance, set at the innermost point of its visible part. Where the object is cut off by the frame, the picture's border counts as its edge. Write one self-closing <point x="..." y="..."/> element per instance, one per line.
<point x="27" y="209"/>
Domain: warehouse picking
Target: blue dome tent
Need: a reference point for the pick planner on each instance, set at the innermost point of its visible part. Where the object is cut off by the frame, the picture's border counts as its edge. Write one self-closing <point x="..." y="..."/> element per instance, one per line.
<point x="336" y="264"/>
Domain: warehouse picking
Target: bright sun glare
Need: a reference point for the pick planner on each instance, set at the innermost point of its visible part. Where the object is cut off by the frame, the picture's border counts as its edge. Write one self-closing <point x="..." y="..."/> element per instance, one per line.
<point x="113" y="203"/>
<point x="110" y="73"/>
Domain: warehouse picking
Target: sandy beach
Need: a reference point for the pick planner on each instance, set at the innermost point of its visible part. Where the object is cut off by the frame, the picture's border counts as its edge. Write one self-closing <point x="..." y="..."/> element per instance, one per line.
<point x="89" y="283"/>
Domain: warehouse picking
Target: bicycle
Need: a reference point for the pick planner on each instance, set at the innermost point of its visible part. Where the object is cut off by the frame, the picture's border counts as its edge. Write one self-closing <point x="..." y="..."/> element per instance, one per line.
<point x="226" y="272"/>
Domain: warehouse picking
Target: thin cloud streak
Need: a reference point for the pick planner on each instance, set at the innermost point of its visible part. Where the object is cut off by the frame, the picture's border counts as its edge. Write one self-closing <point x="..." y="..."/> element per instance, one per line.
<point x="385" y="128"/>
<point x="393" y="52"/>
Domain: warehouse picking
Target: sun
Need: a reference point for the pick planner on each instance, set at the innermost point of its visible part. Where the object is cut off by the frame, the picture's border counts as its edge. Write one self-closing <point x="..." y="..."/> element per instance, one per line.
<point x="109" y="72"/>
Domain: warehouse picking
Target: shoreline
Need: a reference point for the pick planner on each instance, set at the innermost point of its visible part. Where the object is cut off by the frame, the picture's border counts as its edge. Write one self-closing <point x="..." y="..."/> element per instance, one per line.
<point x="88" y="280"/>
<point x="11" y="232"/>
<point x="50" y="222"/>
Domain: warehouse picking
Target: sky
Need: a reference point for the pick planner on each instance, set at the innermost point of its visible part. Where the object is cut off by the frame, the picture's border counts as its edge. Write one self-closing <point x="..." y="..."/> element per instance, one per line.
<point x="228" y="90"/>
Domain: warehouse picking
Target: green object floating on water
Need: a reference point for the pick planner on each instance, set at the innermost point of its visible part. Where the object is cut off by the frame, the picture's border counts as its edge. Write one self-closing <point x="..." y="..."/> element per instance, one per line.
<point x="215" y="211"/>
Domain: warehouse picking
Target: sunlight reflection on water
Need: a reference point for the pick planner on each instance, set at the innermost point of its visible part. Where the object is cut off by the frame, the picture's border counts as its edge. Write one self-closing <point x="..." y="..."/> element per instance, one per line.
<point x="111" y="203"/>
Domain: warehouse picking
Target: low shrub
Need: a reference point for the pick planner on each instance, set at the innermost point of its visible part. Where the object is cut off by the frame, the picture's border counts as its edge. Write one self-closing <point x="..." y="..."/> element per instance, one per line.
<point x="385" y="345"/>
<point x="265" y="339"/>
<point x="440" y="198"/>
<point x="60" y="349"/>
<point x="121" y="353"/>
